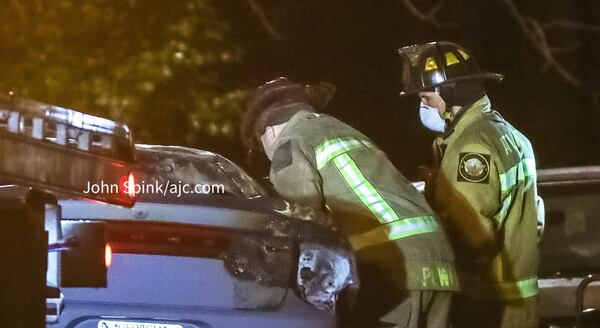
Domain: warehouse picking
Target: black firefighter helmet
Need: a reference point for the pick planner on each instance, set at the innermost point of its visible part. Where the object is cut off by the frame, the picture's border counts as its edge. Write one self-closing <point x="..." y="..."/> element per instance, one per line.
<point x="262" y="106"/>
<point x="429" y="65"/>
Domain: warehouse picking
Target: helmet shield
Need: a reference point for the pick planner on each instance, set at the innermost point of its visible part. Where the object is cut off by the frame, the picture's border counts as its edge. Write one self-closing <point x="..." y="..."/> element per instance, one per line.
<point x="427" y="65"/>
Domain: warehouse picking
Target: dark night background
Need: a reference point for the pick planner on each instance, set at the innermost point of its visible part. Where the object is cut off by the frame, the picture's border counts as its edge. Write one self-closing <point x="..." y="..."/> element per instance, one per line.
<point x="353" y="44"/>
<point x="349" y="43"/>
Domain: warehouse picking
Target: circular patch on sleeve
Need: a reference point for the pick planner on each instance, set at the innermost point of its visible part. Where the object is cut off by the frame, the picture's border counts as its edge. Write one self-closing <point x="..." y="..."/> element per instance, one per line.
<point x="474" y="167"/>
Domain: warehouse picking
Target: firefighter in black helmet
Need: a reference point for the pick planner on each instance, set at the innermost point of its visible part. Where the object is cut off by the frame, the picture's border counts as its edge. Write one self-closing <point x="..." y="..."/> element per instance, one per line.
<point x="405" y="260"/>
<point x="484" y="190"/>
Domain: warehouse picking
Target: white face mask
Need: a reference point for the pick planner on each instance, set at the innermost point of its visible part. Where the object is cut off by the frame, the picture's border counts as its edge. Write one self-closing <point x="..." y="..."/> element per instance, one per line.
<point x="431" y="118"/>
<point x="267" y="140"/>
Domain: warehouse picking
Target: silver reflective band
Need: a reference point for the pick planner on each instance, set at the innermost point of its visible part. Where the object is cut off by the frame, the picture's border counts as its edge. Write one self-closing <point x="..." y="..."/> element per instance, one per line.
<point x="506" y="201"/>
<point x="519" y="289"/>
<point x="393" y="227"/>
<point x="364" y="190"/>
<point x="334" y="147"/>
<point x="504" y="290"/>
<point x="395" y="230"/>
<point x="522" y="170"/>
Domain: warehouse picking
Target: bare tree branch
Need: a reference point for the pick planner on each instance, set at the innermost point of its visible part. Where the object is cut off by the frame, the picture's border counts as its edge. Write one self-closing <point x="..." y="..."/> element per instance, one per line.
<point x="534" y="32"/>
<point x="430" y="17"/>
<point x="571" y="26"/>
<point x="565" y="49"/>
<point x="535" y="28"/>
<point x="540" y="39"/>
<point x="436" y="9"/>
<point x="262" y="17"/>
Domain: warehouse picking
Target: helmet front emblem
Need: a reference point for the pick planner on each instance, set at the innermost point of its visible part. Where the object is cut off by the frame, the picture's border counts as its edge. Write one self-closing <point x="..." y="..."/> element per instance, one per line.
<point x="430" y="64"/>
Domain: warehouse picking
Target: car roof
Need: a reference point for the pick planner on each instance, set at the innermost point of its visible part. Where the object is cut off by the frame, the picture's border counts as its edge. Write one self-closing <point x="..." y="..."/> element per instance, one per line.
<point x="177" y="164"/>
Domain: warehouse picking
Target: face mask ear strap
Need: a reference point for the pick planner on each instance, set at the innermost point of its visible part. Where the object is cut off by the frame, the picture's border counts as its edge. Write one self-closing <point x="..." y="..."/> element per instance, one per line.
<point x="269" y="132"/>
<point x="448" y="115"/>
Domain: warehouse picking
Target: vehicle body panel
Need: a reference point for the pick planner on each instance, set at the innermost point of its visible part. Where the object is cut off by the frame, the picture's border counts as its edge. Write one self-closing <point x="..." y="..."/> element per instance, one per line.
<point x="226" y="260"/>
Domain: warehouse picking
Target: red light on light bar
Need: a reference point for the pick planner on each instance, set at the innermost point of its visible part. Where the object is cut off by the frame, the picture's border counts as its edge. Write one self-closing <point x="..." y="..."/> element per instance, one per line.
<point x="131" y="181"/>
<point x="107" y="255"/>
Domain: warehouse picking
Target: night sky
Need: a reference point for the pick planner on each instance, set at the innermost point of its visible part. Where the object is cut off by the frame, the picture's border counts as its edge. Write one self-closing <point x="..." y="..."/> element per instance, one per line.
<point x="353" y="45"/>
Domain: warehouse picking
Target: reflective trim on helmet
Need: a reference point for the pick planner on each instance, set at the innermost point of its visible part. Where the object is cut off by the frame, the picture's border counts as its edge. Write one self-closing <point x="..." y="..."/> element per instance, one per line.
<point x="451" y="59"/>
<point x="463" y="53"/>
<point x="335" y="147"/>
<point x="430" y="64"/>
<point x="400" y="228"/>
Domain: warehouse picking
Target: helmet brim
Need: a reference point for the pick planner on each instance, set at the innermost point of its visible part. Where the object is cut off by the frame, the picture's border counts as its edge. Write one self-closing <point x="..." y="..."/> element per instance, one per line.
<point x="495" y="77"/>
<point x="317" y="95"/>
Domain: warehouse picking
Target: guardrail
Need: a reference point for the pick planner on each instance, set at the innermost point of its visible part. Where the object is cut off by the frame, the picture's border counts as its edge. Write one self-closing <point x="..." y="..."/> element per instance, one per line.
<point x="569" y="176"/>
<point x="577" y="175"/>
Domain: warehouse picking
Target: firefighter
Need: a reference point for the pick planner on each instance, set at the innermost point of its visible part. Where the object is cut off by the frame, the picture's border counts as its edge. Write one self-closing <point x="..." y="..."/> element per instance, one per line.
<point x="405" y="261"/>
<point x="484" y="190"/>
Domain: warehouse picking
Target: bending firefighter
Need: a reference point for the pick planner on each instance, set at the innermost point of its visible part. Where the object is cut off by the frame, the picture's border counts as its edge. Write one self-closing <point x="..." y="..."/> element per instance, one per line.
<point x="405" y="262"/>
<point x="485" y="188"/>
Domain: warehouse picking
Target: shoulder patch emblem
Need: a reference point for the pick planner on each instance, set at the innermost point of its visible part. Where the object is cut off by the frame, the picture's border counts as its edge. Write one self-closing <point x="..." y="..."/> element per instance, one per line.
<point x="282" y="157"/>
<point x="473" y="167"/>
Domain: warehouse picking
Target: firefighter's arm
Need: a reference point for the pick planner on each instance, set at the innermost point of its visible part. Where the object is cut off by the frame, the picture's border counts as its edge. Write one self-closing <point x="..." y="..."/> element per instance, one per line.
<point x="295" y="177"/>
<point x="467" y="196"/>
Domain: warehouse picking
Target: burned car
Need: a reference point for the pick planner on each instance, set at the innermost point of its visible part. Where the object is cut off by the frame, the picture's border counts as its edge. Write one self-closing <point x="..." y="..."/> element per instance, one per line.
<point x="207" y="246"/>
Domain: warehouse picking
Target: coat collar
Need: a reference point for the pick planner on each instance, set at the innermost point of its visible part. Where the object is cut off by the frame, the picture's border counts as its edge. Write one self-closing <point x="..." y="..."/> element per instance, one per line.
<point x="467" y="115"/>
<point x="303" y="112"/>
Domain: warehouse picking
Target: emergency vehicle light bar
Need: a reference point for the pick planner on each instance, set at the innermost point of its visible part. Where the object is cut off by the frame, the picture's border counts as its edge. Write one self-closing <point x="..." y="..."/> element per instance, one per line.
<point x="63" y="150"/>
<point x="65" y="127"/>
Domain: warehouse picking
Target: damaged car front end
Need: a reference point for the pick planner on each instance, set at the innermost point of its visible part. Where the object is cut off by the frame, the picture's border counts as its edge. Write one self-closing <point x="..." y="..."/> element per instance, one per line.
<point x="239" y="257"/>
<point x="323" y="258"/>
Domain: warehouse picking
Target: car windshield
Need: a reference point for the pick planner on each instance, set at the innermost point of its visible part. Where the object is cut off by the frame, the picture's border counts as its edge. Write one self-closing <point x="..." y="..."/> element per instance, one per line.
<point x="205" y="173"/>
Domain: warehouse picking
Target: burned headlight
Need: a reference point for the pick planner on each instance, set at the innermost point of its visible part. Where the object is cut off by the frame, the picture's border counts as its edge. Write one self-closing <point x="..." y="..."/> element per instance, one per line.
<point x="323" y="273"/>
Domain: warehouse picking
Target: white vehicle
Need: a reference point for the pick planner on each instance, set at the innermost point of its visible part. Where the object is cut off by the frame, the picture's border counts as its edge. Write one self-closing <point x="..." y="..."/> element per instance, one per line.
<point x="232" y="257"/>
<point x="45" y="149"/>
